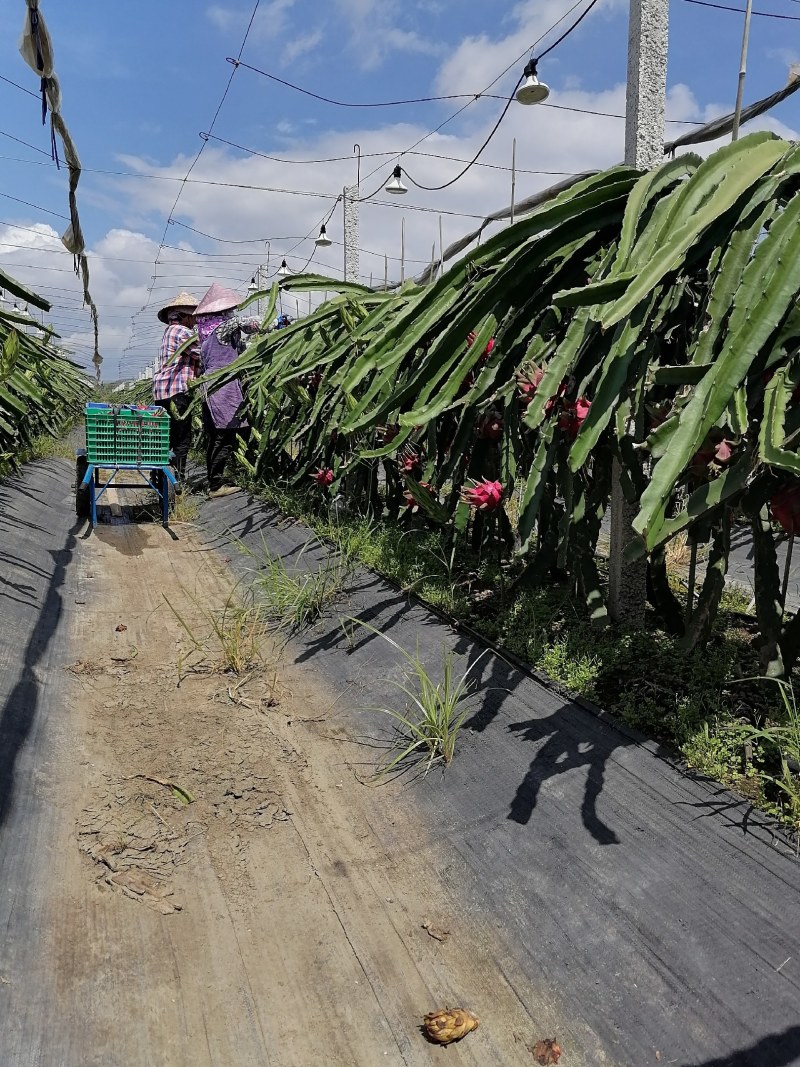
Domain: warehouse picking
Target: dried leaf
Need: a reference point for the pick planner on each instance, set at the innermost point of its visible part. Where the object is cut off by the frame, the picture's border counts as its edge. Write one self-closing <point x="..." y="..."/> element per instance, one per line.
<point x="121" y="628"/>
<point x="546" y="1051"/>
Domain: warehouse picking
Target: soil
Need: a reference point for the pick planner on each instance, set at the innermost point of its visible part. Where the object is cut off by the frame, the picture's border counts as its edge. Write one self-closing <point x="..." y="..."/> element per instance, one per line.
<point x="232" y="893"/>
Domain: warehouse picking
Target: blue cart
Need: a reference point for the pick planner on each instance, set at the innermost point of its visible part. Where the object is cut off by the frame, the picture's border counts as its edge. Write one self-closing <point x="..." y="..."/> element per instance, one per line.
<point x="121" y="439"/>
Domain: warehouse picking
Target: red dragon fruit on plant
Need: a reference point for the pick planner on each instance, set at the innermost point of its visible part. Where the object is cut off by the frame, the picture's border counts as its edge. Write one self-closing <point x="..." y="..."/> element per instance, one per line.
<point x="490" y="427"/>
<point x="785" y="508"/>
<point x="323" y="477"/>
<point x="527" y="383"/>
<point x="714" y="454"/>
<point x="573" y="415"/>
<point x="471" y="338"/>
<point x="388" y="433"/>
<point x="485" y="495"/>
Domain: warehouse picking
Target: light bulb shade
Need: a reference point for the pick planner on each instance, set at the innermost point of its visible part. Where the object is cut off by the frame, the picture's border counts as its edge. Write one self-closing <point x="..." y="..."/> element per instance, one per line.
<point x="252" y="287"/>
<point x="284" y="270"/>
<point x="323" y="240"/>
<point x="532" y="91"/>
<point x="395" y="184"/>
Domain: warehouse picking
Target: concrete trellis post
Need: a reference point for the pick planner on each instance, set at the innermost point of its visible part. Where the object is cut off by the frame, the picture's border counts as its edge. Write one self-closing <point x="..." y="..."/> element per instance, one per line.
<point x="648" y="35"/>
<point x="351" y="197"/>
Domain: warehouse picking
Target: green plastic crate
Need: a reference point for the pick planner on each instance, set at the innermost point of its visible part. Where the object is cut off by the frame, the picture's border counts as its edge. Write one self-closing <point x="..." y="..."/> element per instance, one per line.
<point x="127" y="435"/>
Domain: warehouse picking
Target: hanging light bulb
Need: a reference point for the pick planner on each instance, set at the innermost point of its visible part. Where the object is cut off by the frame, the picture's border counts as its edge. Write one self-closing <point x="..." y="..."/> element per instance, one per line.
<point x="323" y="240"/>
<point x="395" y="185"/>
<point x="252" y="287"/>
<point x="532" y="91"/>
<point x="284" y="271"/>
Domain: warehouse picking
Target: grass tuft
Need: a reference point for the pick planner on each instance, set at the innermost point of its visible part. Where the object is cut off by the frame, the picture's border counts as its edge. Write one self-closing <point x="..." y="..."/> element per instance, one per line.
<point x="428" y="727"/>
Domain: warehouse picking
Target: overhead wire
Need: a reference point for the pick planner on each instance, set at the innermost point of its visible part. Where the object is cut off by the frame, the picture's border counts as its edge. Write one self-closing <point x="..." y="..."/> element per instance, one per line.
<point x="494" y="81"/>
<point x="37" y="207"/>
<point x="202" y="146"/>
<point x="343" y="103"/>
<point x="504" y="112"/>
<point x="742" y="11"/>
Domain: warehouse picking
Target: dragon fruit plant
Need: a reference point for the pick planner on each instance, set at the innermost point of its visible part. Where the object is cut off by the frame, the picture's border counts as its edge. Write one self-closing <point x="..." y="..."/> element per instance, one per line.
<point x="634" y="314"/>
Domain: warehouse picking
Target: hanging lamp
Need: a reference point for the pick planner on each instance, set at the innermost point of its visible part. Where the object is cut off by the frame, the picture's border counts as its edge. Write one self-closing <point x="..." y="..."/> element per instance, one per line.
<point x="532" y="91"/>
<point x="323" y="240"/>
<point x="283" y="271"/>
<point x="395" y="184"/>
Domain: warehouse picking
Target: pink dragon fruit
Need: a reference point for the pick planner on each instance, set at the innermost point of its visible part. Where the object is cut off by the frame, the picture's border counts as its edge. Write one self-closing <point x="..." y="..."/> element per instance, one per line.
<point x="485" y="495"/>
<point x="785" y="508"/>
<point x="574" y="415"/>
<point x="323" y="477"/>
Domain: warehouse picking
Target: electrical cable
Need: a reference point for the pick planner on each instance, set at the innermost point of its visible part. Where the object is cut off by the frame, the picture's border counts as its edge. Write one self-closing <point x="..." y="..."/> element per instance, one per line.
<point x="38" y="207"/>
<point x="742" y="11"/>
<point x="496" y="127"/>
<point x="472" y="162"/>
<point x="501" y="75"/>
<point x="344" y="103"/>
<point x="202" y="147"/>
<point x="27" y="144"/>
<point x="16" y="85"/>
<point x="428" y="155"/>
<point x="566" y="32"/>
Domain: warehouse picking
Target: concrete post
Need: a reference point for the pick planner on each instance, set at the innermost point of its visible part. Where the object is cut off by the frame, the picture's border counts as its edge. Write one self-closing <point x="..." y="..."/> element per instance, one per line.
<point x="351" y="198"/>
<point x="648" y="35"/>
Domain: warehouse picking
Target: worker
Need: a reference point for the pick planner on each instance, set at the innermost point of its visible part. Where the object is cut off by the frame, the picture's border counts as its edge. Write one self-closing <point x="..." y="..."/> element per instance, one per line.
<point x="220" y="332"/>
<point x="171" y="377"/>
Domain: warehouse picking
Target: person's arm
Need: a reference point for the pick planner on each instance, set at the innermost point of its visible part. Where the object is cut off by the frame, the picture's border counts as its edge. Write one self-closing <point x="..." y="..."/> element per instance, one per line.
<point x="228" y="330"/>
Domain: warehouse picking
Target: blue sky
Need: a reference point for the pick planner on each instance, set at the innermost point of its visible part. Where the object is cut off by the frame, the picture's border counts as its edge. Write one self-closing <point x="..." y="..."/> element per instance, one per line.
<point x="140" y="81"/>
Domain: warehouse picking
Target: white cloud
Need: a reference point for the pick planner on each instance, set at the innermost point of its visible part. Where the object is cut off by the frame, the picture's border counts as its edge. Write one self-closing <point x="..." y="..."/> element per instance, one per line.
<point x="374" y="30"/>
<point x="301" y="45"/>
<point x="475" y="63"/>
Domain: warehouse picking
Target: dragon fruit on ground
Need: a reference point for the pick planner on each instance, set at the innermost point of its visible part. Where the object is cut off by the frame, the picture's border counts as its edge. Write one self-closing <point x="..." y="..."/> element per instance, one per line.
<point x="485" y="495"/>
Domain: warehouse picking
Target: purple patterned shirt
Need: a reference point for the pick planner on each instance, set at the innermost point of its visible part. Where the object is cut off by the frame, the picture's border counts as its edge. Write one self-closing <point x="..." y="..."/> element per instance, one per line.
<point x="172" y="376"/>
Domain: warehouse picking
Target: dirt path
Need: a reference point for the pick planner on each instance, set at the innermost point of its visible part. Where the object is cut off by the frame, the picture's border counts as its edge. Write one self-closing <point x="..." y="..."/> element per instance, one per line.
<point x="277" y="918"/>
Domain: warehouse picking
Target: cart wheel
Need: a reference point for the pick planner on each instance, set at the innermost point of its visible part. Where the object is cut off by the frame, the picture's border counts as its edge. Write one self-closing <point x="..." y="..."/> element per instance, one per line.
<point x="83" y="505"/>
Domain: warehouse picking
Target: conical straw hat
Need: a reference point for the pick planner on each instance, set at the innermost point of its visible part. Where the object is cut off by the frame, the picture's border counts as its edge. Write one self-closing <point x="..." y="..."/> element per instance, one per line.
<point x="182" y="300"/>
<point x="218" y="298"/>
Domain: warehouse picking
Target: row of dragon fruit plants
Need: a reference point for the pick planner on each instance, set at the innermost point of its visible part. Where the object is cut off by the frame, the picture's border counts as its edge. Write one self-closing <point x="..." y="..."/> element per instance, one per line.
<point x="41" y="391"/>
<point x="643" y="323"/>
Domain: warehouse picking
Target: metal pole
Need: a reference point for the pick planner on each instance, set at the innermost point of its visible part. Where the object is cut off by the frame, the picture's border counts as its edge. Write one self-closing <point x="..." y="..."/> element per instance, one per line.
<point x="513" y="176"/>
<point x="402" y="250"/>
<point x="441" y="249"/>
<point x="737" y="114"/>
<point x="434" y="267"/>
<point x="385" y="272"/>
